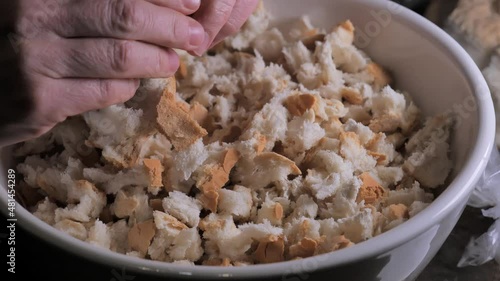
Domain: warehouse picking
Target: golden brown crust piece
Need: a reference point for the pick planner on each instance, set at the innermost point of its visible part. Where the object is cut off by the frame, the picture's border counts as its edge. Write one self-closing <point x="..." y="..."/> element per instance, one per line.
<point x="155" y="169"/>
<point x="272" y="158"/>
<point x="304" y="248"/>
<point x="370" y="191"/>
<point x="171" y="221"/>
<point x="214" y="177"/>
<point x="140" y="235"/>
<point x="297" y="105"/>
<point x="175" y="122"/>
<point x="270" y="250"/>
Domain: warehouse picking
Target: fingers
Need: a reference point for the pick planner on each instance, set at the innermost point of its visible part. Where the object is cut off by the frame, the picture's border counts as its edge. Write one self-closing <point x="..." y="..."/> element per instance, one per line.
<point x="186" y="7"/>
<point x="101" y="58"/>
<point x="213" y="15"/>
<point x="131" y="20"/>
<point x="241" y="11"/>
<point x="61" y="98"/>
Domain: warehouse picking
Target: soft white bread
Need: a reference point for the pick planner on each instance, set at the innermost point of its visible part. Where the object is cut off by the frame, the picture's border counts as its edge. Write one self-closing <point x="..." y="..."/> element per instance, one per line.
<point x="428" y="152"/>
<point x="255" y="25"/>
<point x="72" y="228"/>
<point x="99" y="235"/>
<point x="182" y="207"/>
<point x="236" y="202"/>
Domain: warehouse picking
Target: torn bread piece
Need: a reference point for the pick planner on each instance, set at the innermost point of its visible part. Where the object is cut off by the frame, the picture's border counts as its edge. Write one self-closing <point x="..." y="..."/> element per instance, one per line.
<point x="155" y="170"/>
<point x="266" y="168"/>
<point x="214" y="177"/>
<point x="183" y="207"/>
<point x="140" y="236"/>
<point x="175" y="122"/>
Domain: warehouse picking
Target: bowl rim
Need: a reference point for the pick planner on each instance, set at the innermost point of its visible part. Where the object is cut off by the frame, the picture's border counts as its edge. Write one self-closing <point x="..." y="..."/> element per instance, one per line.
<point x="456" y="192"/>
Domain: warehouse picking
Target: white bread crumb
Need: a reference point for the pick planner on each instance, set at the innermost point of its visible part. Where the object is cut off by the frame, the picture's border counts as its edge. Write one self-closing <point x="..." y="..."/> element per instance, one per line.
<point x="183" y="207"/>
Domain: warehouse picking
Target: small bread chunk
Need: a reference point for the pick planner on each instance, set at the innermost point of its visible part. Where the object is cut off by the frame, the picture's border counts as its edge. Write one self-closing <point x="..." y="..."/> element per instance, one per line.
<point x="175" y="122"/>
<point x="140" y="236"/>
<point x="340" y="242"/>
<point x="380" y="77"/>
<point x="305" y="248"/>
<point x="396" y="211"/>
<point x="186" y="245"/>
<point x="271" y="211"/>
<point x="270" y="249"/>
<point x="155" y="170"/>
<point x="214" y="177"/>
<point x="72" y="228"/>
<point x="99" y="235"/>
<point x="370" y="191"/>
<point x="352" y="150"/>
<point x="236" y="202"/>
<point x="274" y="159"/>
<point x="183" y="207"/>
<point x="85" y="202"/>
<point x="124" y="205"/>
<point x="298" y="104"/>
<point x="386" y="123"/>
<point x="266" y="168"/>
<point x="345" y="30"/>
<point x="351" y="95"/>
<point x="166" y="221"/>
<point x="198" y="112"/>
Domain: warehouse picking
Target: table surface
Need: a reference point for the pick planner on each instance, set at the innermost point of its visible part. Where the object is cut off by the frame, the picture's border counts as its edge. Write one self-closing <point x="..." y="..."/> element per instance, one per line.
<point x="34" y="256"/>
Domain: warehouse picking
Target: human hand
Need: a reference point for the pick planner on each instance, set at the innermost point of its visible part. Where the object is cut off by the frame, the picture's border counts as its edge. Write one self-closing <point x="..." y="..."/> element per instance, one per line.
<point x="221" y="18"/>
<point x="60" y="58"/>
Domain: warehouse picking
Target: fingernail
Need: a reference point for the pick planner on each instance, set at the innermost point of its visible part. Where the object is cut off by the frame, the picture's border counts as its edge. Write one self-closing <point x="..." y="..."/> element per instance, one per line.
<point x="196" y="35"/>
<point x="204" y="46"/>
<point x="192" y="5"/>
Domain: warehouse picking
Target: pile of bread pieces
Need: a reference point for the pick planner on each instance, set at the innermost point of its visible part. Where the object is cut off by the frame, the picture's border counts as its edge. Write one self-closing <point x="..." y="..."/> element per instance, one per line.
<point x="272" y="147"/>
<point x="475" y="24"/>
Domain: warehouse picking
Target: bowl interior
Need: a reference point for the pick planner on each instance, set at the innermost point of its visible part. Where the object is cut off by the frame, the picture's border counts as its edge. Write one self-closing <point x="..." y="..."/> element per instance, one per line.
<point x="420" y="65"/>
<point x="423" y="60"/>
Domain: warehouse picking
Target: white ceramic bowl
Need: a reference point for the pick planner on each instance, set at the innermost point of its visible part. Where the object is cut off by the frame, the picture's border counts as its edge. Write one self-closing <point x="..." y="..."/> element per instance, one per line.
<point x="440" y="76"/>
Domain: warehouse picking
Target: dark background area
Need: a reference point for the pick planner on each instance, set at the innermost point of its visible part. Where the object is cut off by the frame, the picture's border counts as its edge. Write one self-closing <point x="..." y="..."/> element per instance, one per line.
<point x="43" y="261"/>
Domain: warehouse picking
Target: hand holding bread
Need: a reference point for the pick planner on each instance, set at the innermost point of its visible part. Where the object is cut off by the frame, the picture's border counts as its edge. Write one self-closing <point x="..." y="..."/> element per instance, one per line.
<point x="66" y="57"/>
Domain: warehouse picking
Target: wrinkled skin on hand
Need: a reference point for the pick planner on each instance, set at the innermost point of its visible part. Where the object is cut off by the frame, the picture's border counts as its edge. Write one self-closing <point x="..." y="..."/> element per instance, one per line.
<point x="60" y="58"/>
